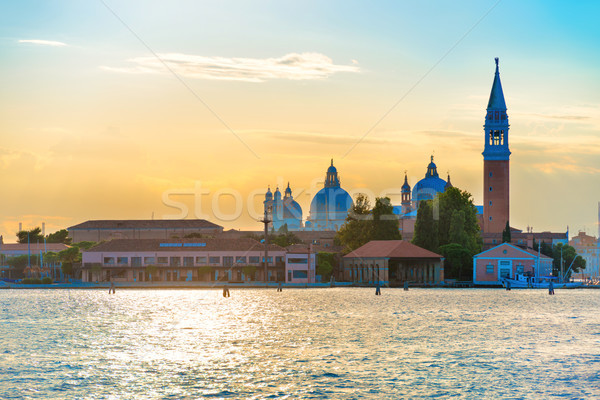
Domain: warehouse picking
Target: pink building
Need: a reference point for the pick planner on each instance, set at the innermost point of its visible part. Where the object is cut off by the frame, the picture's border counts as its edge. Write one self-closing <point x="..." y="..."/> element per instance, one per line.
<point x="208" y="260"/>
<point x="507" y="260"/>
<point x="300" y="264"/>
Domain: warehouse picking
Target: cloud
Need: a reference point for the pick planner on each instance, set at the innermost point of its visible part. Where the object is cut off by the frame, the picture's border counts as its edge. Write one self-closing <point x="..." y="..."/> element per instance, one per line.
<point x="52" y="43"/>
<point x="292" y="66"/>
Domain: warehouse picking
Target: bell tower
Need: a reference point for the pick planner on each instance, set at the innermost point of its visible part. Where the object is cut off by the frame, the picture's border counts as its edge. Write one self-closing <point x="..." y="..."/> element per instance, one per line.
<point x="496" y="158"/>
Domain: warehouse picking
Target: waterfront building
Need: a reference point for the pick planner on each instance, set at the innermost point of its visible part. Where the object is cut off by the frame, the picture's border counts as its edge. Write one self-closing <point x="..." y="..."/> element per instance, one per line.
<point x="588" y="247"/>
<point x="505" y="261"/>
<point x="283" y="211"/>
<point x="392" y="262"/>
<point x="329" y="207"/>
<point x="300" y="264"/>
<point x="208" y="260"/>
<point x="99" y="230"/>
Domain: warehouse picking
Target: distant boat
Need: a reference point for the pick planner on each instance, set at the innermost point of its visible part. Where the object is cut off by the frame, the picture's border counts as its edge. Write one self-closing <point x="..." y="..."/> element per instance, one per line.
<point x="533" y="282"/>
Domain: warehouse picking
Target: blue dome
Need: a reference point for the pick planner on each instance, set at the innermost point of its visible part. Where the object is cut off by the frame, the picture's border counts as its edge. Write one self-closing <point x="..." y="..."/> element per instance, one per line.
<point x="292" y="210"/>
<point x="269" y="195"/>
<point x="330" y="204"/>
<point x="277" y="194"/>
<point x="428" y="187"/>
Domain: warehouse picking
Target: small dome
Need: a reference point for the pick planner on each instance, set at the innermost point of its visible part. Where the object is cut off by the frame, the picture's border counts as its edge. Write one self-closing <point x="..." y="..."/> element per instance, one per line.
<point x="428" y="187"/>
<point x="405" y="186"/>
<point x="277" y="194"/>
<point x="331" y="168"/>
<point x="269" y="195"/>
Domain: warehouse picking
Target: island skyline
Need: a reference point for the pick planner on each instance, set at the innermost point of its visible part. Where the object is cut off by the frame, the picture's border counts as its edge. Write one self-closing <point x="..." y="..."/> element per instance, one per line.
<point x="107" y="109"/>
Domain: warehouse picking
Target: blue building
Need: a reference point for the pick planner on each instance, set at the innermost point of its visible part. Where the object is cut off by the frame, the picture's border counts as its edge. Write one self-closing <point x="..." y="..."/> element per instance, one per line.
<point x="284" y="210"/>
<point x="330" y="206"/>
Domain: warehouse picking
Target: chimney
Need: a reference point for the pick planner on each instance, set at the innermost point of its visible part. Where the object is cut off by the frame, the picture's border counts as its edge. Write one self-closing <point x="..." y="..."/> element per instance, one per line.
<point x="43" y="229"/>
<point x="20" y="226"/>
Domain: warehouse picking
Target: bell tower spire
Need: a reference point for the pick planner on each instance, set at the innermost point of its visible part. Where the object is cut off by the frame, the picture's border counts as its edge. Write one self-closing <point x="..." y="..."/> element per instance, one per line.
<point x="496" y="158"/>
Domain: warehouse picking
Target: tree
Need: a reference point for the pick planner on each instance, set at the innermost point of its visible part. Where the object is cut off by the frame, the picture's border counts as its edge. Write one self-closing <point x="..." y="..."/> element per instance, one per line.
<point x="569" y="255"/>
<point x="68" y="258"/>
<point x="458" y="263"/>
<point x="506" y="234"/>
<point x="426" y="227"/>
<point x="385" y="225"/>
<point x="356" y="231"/>
<point x="451" y="201"/>
<point x="61" y="236"/>
<point x="325" y="263"/>
<point x="32" y="236"/>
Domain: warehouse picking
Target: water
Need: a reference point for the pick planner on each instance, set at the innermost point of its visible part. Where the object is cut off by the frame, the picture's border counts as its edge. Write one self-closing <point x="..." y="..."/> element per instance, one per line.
<point x="318" y="343"/>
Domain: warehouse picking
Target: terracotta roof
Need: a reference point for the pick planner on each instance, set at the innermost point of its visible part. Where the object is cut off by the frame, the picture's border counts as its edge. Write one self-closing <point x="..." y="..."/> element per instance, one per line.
<point x="391" y="249"/>
<point x="146" y="224"/>
<point x="174" y="245"/>
<point x="34" y="247"/>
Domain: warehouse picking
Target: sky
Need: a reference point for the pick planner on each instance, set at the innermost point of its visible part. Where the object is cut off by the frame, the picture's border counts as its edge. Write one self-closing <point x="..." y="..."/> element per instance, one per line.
<point x="148" y="109"/>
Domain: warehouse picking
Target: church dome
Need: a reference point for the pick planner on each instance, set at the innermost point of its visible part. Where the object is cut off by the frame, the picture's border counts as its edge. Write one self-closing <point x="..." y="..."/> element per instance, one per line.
<point x="277" y="194"/>
<point x="292" y="210"/>
<point x="268" y="195"/>
<point x="428" y="187"/>
<point x="330" y="203"/>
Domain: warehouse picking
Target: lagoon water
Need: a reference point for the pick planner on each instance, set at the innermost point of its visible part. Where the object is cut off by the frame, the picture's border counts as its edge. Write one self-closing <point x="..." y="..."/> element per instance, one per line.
<point x="317" y="343"/>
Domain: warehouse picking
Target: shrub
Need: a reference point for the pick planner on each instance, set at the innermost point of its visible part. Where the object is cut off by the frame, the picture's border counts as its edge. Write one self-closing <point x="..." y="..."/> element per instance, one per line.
<point x="47" y="280"/>
<point x="31" y="281"/>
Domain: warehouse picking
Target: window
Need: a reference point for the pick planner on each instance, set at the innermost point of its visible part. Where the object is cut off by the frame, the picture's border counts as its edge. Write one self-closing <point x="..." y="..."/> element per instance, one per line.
<point x="240" y="260"/>
<point x="109" y="260"/>
<point x="490" y="188"/>
<point x="201" y="260"/>
<point x="149" y="260"/>
<point x="175" y="261"/>
<point x="504" y="272"/>
<point x="254" y="259"/>
<point x="136" y="261"/>
<point x="297" y="260"/>
<point x="214" y="260"/>
<point x="188" y="261"/>
<point x="228" y="261"/>
<point x="491" y="174"/>
<point x="297" y="274"/>
<point x="289" y="276"/>
<point x="489" y="269"/>
<point x="270" y="259"/>
<point x="490" y="218"/>
<point x="279" y="259"/>
<point x="122" y="260"/>
<point x="490" y="203"/>
<point x="494" y="241"/>
<point x="163" y="260"/>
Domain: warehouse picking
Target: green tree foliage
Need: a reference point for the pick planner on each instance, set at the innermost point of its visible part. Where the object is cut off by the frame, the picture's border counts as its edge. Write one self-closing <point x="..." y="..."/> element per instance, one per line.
<point x="450" y="219"/>
<point x="325" y="263"/>
<point x="35" y="236"/>
<point x="506" y="233"/>
<point x="569" y="255"/>
<point x="363" y="224"/>
<point x="385" y="225"/>
<point x="426" y="227"/>
<point x="458" y="262"/>
<point x="197" y="235"/>
<point x="68" y="258"/>
<point x="61" y="236"/>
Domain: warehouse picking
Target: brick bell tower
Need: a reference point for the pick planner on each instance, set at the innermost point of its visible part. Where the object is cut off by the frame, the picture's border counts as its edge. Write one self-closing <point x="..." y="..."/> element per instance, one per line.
<point x="496" y="159"/>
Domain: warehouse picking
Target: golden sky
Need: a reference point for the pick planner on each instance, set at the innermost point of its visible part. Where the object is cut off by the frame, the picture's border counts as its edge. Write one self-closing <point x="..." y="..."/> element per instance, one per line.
<point x="106" y="111"/>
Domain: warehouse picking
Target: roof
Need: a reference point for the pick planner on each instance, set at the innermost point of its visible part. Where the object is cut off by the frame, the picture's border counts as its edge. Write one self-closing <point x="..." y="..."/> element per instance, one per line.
<point x="496" y="101"/>
<point x="146" y="224"/>
<point x="391" y="249"/>
<point x="498" y="251"/>
<point x="33" y="247"/>
<point x="174" y="245"/>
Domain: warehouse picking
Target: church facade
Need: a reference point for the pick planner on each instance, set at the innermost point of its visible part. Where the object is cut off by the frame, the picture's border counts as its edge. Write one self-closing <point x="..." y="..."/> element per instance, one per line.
<point x="283" y="211"/>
